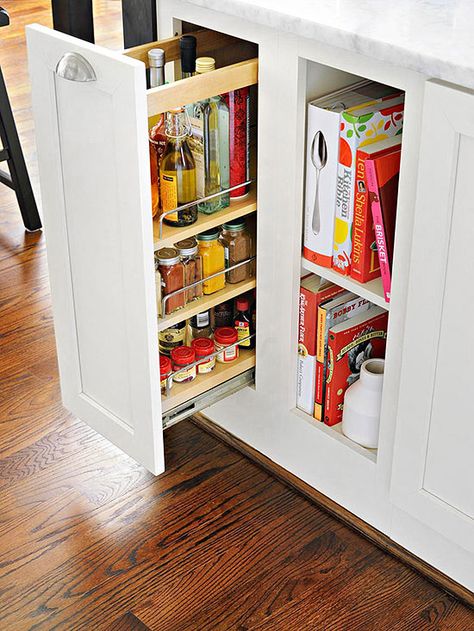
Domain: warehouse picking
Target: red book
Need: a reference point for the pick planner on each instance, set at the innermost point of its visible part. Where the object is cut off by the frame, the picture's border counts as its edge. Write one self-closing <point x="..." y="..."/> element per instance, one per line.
<point x="350" y="344"/>
<point x="365" y="261"/>
<point x="313" y="291"/>
<point x="382" y="184"/>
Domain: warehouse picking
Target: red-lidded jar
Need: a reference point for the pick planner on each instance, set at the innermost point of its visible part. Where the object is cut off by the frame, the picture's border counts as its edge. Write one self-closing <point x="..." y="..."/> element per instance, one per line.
<point x="223" y="336"/>
<point x="165" y="372"/>
<point x="181" y="357"/>
<point x="203" y="347"/>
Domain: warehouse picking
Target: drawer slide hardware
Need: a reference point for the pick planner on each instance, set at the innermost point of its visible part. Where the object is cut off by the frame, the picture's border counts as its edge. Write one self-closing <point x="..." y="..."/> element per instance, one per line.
<point x="206" y="399"/>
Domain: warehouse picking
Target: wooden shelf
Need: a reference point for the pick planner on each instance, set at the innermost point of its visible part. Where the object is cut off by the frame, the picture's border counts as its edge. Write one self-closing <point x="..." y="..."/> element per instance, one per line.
<point x="335" y="432"/>
<point x="182" y="392"/>
<point x="373" y="290"/>
<point x="206" y="302"/>
<point x="237" y="208"/>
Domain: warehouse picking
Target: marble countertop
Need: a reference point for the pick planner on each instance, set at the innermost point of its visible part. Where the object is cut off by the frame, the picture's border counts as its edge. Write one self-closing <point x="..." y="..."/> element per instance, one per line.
<point x="433" y="37"/>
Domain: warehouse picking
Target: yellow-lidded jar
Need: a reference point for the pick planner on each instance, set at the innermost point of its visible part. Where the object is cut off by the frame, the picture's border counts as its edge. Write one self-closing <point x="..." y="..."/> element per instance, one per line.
<point x="213" y="260"/>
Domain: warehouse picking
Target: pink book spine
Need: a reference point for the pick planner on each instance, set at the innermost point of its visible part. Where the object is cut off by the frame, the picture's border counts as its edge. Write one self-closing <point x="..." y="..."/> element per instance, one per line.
<point x="374" y="200"/>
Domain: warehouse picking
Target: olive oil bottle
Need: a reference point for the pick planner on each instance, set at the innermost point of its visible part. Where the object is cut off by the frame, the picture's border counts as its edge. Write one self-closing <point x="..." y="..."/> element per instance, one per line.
<point x="178" y="171"/>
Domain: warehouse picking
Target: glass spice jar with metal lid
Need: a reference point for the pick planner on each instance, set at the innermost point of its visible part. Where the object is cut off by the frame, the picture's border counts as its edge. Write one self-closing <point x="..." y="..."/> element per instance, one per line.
<point x="192" y="261"/>
<point x="213" y="260"/>
<point x="238" y="246"/>
<point x="172" y="277"/>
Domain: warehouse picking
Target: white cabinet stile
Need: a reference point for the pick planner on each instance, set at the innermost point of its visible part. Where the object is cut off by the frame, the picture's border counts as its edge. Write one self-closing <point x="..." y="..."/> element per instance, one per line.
<point x="433" y="468"/>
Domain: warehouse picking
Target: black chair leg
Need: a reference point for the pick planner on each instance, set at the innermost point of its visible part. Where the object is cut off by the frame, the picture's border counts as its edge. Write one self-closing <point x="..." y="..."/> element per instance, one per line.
<point x="19" y="179"/>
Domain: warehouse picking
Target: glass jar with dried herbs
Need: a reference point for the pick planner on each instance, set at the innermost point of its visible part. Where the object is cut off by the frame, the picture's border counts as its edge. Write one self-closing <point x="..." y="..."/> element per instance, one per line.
<point x="192" y="261"/>
<point x="238" y="246"/>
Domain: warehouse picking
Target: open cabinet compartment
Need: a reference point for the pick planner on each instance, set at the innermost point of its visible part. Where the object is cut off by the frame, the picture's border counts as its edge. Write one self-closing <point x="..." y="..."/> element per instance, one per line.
<point x="236" y="67"/>
<point x="320" y="81"/>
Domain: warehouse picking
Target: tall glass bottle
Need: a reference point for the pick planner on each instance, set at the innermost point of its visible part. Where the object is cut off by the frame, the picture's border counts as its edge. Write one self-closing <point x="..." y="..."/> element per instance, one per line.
<point x="210" y="124"/>
<point x="178" y="171"/>
<point x="157" y="135"/>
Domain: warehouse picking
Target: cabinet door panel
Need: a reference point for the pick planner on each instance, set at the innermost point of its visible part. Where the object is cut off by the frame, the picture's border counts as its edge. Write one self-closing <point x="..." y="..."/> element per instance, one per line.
<point x="93" y="159"/>
<point x="433" y="458"/>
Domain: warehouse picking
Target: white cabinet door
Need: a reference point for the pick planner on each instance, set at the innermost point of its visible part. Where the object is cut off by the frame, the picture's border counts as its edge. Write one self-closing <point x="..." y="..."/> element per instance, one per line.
<point x="95" y="188"/>
<point x="433" y="469"/>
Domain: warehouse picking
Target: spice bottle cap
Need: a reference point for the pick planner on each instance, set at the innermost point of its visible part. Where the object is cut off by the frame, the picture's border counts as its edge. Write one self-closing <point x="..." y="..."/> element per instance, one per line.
<point x="205" y="64"/>
<point x="156" y="57"/>
<point x="165" y="365"/>
<point x="167" y="256"/>
<point x="225" y="335"/>
<point x="203" y="346"/>
<point x="183" y="355"/>
<point x="208" y="235"/>
<point x="242" y="304"/>
<point x="187" y="45"/>
<point x="187" y="247"/>
<point x="235" y="225"/>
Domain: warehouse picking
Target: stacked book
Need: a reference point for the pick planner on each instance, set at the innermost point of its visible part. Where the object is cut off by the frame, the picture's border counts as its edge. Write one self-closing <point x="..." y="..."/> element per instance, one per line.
<point x="352" y="167"/>
<point x="338" y="331"/>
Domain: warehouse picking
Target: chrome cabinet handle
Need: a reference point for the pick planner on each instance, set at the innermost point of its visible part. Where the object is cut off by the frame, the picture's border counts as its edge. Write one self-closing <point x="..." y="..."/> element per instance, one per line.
<point x="75" y="67"/>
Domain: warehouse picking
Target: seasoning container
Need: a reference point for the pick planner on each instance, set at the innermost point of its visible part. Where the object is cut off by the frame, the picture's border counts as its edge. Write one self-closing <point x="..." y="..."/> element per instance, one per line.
<point x="172" y="337"/>
<point x="238" y="246"/>
<point x="212" y="253"/>
<point x="203" y="347"/>
<point x="223" y="315"/>
<point x="201" y="325"/>
<point x="224" y="336"/>
<point x="172" y="277"/>
<point x="182" y="357"/>
<point x="243" y="323"/>
<point x="165" y="372"/>
<point x="190" y="258"/>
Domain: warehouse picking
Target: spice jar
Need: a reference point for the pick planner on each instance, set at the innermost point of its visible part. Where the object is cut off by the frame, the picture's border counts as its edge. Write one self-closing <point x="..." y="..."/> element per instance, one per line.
<point x="212" y="253"/>
<point x="201" y="325"/>
<point x="203" y="347"/>
<point x="223" y="314"/>
<point x="224" y="336"/>
<point x="238" y="246"/>
<point x="172" y="337"/>
<point x="182" y="357"/>
<point x="172" y="277"/>
<point x="165" y="371"/>
<point x="188" y="253"/>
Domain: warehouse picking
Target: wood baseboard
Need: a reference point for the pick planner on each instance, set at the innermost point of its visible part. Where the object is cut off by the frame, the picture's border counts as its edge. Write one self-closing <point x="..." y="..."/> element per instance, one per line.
<point x="377" y="537"/>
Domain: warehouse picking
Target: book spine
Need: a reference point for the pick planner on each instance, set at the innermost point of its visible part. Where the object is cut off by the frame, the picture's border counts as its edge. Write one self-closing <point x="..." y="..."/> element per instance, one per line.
<point x="306" y="363"/>
<point x="320" y="335"/>
<point x="330" y="418"/>
<point x="344" y="212"/>
<point x="376" y="209"/>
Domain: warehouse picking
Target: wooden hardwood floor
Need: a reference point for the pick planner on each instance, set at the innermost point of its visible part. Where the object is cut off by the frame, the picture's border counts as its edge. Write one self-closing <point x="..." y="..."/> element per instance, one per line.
<point x="90" y="540"/>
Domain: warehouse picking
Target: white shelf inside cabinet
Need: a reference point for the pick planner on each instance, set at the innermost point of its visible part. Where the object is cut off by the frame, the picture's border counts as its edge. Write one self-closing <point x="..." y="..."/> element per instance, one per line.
<point x="335" y="432"/>
<point x="182" y="392"/>
<point x="373" y="290"/>
<point x="206" y="302"/>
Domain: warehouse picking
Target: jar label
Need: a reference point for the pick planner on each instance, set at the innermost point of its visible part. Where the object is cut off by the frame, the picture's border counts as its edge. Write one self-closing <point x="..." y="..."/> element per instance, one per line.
<point x="196" y="144"/>
<point x="202" y="319"/>
<point x="169" y="194"/>
<point x="243" y="331"/>
<point x="206" y="366"/>
<point x="172" y="336"/>
<point x="186" y="374"/>
<point x="228" y="354"/>
<point x="226" y="256"/>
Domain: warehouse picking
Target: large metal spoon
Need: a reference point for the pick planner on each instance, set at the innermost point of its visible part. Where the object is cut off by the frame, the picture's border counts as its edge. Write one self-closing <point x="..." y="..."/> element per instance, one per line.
<point x="319" y="158"/>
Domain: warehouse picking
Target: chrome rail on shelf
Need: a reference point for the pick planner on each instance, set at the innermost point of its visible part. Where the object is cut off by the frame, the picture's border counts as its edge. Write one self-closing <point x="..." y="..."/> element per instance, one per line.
<point x="165" y="298"/>
<point x="198" y="201"/>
